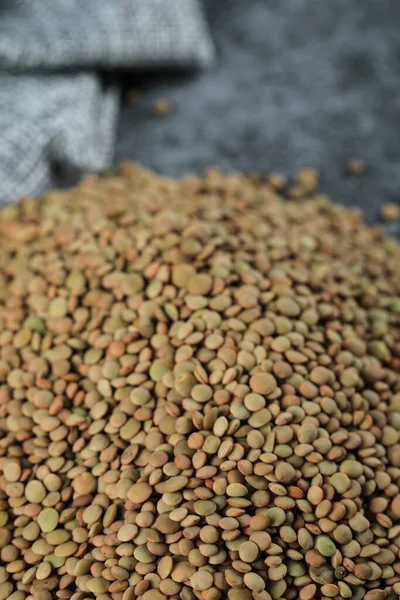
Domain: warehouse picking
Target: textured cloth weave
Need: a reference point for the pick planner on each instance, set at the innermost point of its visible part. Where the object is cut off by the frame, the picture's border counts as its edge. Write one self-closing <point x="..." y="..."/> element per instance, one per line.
<point x="57" y="116"/>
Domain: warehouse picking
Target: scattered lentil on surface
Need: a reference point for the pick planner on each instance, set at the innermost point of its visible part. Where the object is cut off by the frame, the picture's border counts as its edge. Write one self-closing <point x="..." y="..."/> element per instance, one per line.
<point x="162" y="106"/>
<point x="390" y="212"/>
<point x="355" y="166"/>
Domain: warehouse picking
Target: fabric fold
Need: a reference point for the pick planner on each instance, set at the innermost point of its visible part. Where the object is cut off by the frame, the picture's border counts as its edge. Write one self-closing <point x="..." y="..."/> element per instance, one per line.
<point x="57" y="117"/>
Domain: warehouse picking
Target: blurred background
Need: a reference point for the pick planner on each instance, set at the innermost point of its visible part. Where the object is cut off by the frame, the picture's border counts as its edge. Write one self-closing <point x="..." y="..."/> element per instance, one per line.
<point x="294" y="83"/>
<point x="257" y="85"/>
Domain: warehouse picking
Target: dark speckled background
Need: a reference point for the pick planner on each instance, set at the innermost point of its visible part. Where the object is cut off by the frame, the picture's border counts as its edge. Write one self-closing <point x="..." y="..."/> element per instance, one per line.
<point x="295" y="83"/>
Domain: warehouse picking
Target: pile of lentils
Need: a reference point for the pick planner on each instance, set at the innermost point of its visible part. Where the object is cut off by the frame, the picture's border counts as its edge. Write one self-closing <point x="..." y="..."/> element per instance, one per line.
<point x="199" y="393"/>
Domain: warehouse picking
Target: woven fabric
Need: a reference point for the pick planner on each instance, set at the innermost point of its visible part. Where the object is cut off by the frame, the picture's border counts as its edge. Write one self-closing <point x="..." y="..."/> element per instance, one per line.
<point x="57" y="117"/>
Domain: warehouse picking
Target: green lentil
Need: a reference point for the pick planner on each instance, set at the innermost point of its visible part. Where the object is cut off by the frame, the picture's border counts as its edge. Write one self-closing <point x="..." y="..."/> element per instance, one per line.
<point x="326" y="546"/>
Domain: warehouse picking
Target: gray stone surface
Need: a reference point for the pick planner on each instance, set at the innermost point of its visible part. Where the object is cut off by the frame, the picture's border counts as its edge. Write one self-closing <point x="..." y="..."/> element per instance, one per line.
<point x="296" y="83"/>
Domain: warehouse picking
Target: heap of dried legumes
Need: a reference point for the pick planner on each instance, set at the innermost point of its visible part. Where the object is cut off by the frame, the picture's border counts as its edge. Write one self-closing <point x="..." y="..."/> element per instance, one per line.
<point x="199" y="394"/>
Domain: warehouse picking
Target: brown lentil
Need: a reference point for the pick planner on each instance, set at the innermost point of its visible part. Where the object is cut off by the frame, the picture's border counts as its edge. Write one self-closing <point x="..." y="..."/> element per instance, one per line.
<point x="390" y="212"/>
<point x="162" y="106"/>
<point x="355" y="166"/>
<point x="199" y="393"/>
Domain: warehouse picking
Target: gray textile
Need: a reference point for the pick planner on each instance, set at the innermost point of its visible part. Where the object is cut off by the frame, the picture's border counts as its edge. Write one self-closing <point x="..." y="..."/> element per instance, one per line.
<point x="57" y="117"/>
